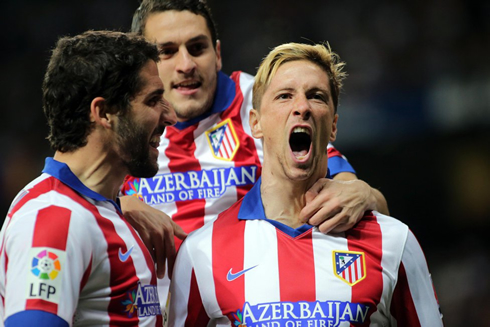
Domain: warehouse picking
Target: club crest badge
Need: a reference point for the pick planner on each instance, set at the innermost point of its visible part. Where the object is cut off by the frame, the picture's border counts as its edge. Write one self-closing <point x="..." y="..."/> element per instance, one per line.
<point x="223" y="140"/>
<point x="349" y="266"/>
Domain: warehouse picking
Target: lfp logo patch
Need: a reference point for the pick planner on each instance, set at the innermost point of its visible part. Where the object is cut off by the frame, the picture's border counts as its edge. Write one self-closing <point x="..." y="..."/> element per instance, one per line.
<point x="349" y="266"/>
<point x="46" y="265"/>
<point x="223" y="140"/>
<point x="45" y="278"/>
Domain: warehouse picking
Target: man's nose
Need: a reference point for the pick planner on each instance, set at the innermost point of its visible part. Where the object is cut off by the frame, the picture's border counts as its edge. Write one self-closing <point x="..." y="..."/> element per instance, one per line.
<point x="302" y="107"/>
<point x="168" y="116"/>
<point x="185" y="62"/>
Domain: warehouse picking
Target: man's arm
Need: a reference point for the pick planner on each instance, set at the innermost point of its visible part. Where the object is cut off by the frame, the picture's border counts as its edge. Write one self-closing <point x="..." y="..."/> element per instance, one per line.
<point x="337" y="205"/>
<point x="38" y="278"/>
<point x="156" y="229"/>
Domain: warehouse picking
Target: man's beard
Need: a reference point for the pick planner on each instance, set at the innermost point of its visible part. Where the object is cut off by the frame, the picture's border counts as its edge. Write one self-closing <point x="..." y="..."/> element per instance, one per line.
<point x="135" y="148"/>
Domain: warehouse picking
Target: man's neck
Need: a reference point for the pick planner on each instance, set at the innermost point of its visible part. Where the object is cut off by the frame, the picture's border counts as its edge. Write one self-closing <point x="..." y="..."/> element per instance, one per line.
<point x="95" y="170"/>
<point x="283" y="199"/>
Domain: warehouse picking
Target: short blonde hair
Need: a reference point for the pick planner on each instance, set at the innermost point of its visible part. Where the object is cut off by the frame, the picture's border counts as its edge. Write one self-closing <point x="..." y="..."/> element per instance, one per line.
<point x="320" y="54"/>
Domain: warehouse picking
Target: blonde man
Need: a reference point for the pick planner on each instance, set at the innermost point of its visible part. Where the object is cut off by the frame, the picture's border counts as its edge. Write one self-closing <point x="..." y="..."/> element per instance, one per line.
<point x="258" y="264"/>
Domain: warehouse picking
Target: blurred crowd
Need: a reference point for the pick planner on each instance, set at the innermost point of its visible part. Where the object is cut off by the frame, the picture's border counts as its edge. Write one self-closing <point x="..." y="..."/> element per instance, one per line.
<point x="415" y="121"/>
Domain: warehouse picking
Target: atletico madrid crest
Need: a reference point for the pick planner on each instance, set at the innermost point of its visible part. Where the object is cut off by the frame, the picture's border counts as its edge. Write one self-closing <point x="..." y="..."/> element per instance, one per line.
<point x="223" y="140"/>
<point x="349" y="266"/>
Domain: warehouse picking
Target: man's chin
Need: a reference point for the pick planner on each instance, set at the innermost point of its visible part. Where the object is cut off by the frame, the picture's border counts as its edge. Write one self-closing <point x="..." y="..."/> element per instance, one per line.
<point x="190" y="108"/>
<point x="145" y="170"/>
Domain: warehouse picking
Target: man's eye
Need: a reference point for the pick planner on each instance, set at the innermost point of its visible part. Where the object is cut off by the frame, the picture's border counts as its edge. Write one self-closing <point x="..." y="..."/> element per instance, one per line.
<point x="154" y="101"/>
<point x="165" y="53"/>
<point x="284" y="96"/>
<point x="320" y="97"/>
<point x="196" y="49"/>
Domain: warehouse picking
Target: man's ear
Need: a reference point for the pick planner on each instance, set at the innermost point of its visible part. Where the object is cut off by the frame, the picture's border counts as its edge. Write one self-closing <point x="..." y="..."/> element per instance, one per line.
<point x="100" y="113"/>
<point x="219" y="63"/>
<point x="254" y="121"/>
<point x="333" y="133"/>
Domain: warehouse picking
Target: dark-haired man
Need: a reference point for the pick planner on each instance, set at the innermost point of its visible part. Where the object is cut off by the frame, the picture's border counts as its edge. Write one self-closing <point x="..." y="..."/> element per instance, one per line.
<point x="68" y="257"/>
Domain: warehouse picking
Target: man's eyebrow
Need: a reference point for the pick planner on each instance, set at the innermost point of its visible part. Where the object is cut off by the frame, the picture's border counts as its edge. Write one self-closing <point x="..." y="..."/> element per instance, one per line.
<point x="154" y="92"/>
<point x="321" y="89"/>
<point x="198" y="38"/>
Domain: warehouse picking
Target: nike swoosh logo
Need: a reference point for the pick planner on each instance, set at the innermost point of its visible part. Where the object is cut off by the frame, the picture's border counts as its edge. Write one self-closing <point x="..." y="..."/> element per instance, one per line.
<point x="124" y="256"/>
<point x="231" y="276"/>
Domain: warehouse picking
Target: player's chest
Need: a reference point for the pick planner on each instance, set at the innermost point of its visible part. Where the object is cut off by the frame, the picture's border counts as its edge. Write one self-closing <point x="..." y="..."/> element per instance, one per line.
<point x="308" y="281"/>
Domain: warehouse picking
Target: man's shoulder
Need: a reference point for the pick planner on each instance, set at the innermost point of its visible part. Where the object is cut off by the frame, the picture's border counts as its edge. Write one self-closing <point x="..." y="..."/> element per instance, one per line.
<point x="48" y="196"/>
<point x="383" y="221"/>
<point x="384" y="231"/>
<point x="243" y="79"/>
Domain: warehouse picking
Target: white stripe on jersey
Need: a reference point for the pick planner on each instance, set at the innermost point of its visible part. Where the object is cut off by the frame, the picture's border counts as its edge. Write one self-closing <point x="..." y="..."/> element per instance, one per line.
<point x="264" y="275"/>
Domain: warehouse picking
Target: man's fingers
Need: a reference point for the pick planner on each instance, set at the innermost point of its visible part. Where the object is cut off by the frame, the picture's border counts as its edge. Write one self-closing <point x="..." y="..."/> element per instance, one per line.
<point x="314" y="190"/>
<point x="170" y="247"/>
<point x="148" y="243"/>
<point x="341" y="222"/>
<point x="178" y="231"/>
<point x="323" y="214"/>
<point x="312" y="210"/>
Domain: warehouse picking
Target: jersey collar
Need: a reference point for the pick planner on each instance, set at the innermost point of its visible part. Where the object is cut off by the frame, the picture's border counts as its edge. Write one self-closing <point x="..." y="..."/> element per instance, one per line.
<point x="225" y="93"/>
<point x="61" y="171"/>
<point x="253" y="209"/>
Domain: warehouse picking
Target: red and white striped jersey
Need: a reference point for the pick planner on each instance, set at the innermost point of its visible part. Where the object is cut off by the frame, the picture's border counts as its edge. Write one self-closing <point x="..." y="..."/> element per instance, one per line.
<point x="68" y="258"/>
<point x="246" y="270"/>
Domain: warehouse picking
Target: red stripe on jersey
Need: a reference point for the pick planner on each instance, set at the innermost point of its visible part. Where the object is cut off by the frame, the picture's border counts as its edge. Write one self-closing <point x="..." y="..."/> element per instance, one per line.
<point x="86" y="275"/>
<point x="228" y="255"/>
<point x="180" y="152"/>
<point x="296" y="265"/>
<point x="333" y="152"/>
<point x="196" y="314"/>
<point x="43" y="305"/>
<point x="247" y="153"/>
<point x="402" y="305"/>
<point x="51" y="228"/>
<point x="366" y="237"/>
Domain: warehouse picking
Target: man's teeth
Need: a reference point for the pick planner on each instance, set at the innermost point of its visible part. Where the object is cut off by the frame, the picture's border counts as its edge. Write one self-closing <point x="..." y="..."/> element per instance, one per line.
<point x="301" y="130"/>
<point x="187" y="84"/>
<point x="155" y="140"/>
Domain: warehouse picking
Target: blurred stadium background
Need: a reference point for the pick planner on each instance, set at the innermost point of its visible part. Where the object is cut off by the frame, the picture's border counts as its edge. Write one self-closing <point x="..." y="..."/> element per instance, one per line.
<point x="414" y="117"/>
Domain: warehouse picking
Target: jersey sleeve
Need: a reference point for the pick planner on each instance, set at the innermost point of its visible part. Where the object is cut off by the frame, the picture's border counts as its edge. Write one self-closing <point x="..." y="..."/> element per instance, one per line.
<point x="186" y="307"/>
<point x="414" y="301"/>
<point x="42" y="278"/>
<point x="337" y="163"/>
